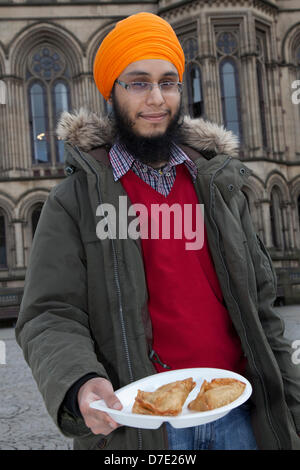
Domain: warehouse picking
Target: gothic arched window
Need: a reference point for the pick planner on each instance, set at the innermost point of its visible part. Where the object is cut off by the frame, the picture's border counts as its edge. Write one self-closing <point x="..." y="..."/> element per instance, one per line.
<point x="193" y="79"/>
<point x="260" y="74"/>
<point x="228" y="55"/>
<point x="230" y="96"/>
<point x="262" y="104"/>
<point x="194" y="90"/>
<point x="298" y="56"/>
<point x="190" y="49"/>
<point x="39" y="122"/>
<point x="48" y="96"/>
<point x="61" y="100"/>
<point x="3" y="258"/>
<point x="227" y="43"/>
<point x="276" y="216"/>
<point x="35" y="217"/>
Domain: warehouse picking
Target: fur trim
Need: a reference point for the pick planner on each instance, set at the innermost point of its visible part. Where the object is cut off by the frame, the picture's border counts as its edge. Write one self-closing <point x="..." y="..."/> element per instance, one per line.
<point x="204" y="136"/>
<point x="87" y="130"/>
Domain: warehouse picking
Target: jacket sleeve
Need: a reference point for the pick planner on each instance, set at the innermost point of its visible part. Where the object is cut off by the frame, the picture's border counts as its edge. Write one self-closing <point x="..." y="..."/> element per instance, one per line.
<point x="53" y="324"/>
<point x="271" y="321"/>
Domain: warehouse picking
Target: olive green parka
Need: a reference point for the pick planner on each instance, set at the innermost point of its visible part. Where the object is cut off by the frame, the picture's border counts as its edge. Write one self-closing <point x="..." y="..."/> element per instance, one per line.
<point x="84" y="307"/>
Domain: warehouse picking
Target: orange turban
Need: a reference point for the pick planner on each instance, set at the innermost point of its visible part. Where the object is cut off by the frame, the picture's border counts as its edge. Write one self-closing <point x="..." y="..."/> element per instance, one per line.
<point x="140" y="36"/>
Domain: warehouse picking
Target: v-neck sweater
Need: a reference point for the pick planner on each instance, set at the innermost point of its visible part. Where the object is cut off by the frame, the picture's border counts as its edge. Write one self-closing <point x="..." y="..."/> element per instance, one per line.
<point x="191" y="325"/>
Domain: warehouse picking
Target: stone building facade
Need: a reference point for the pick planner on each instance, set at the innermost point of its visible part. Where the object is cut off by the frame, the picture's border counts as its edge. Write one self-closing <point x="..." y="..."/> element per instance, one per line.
<point x="242" y="71"/>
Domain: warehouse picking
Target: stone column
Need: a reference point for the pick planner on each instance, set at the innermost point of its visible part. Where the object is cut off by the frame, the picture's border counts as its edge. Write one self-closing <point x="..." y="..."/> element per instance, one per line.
<point x="249" y="99"/>
<point x="295" y="225"/>
<point x="18" y="226"/>
<point x="15" y="158"/>
<point x="288" y="226"/>
<point x="265" y="205"/>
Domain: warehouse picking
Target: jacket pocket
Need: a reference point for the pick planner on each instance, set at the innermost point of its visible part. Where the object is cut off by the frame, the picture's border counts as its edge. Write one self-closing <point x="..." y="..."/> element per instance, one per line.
<point x="113" y="441"/>
<point x="100" y="443"/>
<point x="92" y="442"/>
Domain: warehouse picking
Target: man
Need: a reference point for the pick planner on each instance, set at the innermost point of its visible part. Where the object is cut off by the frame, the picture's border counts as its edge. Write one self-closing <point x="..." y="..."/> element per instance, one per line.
<point x="100" y="312"/>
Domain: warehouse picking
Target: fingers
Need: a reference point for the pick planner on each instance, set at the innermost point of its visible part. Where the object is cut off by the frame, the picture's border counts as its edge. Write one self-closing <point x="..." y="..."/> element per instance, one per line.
<point x="98" y="421"/>
<point x="111" y="400"/>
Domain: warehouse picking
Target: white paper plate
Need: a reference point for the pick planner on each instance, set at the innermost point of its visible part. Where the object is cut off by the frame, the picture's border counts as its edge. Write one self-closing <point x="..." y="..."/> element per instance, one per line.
<point x="186" y="418"/>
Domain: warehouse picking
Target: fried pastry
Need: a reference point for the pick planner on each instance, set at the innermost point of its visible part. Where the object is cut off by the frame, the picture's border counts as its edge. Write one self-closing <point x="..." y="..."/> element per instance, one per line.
<point x="217" y="393"/>
<point x="167" y="400"/>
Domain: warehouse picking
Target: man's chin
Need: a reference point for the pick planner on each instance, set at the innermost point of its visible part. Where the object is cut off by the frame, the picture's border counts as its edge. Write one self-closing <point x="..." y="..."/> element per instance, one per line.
<point x="150" y="131"/>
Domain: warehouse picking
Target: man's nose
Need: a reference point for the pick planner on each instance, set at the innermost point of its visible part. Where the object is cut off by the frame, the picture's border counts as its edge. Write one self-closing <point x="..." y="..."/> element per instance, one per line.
<point x="155" y="96"/>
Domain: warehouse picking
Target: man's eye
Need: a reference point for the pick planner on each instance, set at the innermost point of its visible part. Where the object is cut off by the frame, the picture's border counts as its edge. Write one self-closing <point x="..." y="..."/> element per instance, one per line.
<point x="139" y="85"/>
<point x="168" y="85"/>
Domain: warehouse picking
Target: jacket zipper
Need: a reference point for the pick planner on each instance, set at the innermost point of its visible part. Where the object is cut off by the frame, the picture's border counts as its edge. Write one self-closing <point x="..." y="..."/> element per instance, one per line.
<point x="238" y="309"/>
<point x="119" y="295"/>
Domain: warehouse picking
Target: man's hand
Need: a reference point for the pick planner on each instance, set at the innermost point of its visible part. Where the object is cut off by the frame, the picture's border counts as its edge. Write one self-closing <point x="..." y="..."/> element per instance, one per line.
<point x="98" y="389"/>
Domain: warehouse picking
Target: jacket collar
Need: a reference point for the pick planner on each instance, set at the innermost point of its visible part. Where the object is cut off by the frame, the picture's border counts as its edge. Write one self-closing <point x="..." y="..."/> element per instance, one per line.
<point x="209" y="145"/>
<point x="213" y="149"/>
<point x="89" y="131"/>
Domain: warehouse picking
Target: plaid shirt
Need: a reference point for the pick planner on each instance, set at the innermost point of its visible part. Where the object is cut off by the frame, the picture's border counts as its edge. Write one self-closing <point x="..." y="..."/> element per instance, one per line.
<point x="159" y="179"/>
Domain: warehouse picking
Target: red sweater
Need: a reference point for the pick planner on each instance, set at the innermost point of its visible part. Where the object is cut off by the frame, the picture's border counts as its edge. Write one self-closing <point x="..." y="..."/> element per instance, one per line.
<point x="191" y="326"/>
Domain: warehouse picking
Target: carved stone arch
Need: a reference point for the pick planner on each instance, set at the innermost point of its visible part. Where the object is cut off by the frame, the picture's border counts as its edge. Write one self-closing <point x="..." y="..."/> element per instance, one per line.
<point x="8" y="206"/>
<point x="34" y="46"/>
<point x="190" y="53"/>
<point x="26" y="206"/>
<point x="94" y="41"/>
<point x="290" y="43"/>
<point x="295" y="198"/>
<point x="281" y="224"/>
<point x="275" y="178"/>
<point x="30" y="199"/>
<point x="254" y="191"/>
<point x="295" y="189"/>
<point x="39" y="34"/>
<point x="254" y="188"/>
<point x="231" y="58"/>
<point x="195" y="108"/>
<point x="97" y="103"/>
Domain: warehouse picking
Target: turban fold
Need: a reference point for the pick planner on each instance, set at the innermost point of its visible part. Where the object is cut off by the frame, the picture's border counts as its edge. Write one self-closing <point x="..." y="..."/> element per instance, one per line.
<point x="140" y="36"/>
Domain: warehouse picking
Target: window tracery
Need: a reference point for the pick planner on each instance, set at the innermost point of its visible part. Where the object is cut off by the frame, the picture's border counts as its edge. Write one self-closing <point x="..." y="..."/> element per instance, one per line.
<point x="48" y="96"/>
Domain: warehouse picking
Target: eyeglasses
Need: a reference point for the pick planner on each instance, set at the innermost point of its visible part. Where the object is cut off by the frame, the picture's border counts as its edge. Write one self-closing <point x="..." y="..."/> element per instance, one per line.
<point x="142" y="88"/>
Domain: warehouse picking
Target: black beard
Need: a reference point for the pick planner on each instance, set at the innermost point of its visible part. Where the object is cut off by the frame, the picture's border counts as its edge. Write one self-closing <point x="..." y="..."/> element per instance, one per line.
<point x="151" y="149"/>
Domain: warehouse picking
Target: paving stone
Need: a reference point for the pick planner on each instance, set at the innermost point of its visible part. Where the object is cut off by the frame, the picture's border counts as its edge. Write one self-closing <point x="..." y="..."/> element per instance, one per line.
<point x="24" y="421"/>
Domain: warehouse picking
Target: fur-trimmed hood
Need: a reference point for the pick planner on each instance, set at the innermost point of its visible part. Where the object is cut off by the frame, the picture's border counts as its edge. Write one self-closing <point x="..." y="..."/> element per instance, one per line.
<point x="88" y="130"/>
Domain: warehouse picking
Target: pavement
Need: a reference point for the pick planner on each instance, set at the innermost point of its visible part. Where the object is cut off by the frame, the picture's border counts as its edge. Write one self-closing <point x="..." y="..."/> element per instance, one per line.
<point x="24" y="421"/>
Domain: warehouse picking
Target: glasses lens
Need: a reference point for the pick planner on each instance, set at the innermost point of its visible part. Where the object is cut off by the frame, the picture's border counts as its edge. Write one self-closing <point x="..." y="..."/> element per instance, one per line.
<point x="140" y="87"/>
<point x="145" y="87"/>
<point x="169" y="87"/>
